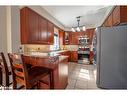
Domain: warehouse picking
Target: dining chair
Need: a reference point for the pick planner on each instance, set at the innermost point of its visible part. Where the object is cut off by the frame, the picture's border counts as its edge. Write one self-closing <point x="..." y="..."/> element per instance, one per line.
<point x="1" y="79"/>
<point x="22" y="77"/>
<point x="4" y="70"/>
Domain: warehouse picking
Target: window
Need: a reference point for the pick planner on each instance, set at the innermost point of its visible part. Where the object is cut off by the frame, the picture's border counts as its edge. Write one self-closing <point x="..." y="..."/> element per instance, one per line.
<point x="56" y="45"/>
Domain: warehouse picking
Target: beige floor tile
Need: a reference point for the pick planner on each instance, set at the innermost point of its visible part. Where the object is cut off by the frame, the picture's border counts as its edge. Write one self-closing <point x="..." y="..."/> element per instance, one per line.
<point x="81" y="84"/>
<point x="82" y="77"/>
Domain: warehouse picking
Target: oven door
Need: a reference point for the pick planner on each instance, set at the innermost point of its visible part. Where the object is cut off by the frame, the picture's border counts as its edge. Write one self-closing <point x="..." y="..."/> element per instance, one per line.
<point x="83" y="58"/>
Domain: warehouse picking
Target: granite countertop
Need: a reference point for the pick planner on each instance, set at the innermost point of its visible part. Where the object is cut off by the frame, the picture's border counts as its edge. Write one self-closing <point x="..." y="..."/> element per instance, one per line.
<point x="44" y="54"/>
<point x="62" y="57"/>
<point x="40" y="54"/>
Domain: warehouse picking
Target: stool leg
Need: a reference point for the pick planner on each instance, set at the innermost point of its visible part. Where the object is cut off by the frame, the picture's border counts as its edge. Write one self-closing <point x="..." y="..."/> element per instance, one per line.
<point x="0" y="76"/>
<point x="51" y="80"/>
<point x="38" y="85"/>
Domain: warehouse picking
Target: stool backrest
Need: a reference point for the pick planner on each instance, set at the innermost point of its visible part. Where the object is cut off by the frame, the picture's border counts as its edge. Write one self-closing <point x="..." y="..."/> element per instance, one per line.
<point x="19" y="69"/>
<point x="4" y="69"/>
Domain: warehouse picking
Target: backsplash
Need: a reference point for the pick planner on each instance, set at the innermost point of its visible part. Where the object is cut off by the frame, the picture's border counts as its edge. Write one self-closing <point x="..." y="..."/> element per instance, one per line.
<point x="47" y="48"/>
<point x="41" y="48"/>
<point x="72" y="47"/>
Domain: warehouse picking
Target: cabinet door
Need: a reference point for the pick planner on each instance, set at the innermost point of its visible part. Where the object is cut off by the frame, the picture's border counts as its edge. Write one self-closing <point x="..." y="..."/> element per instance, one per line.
<point x="116" y="16"/>
<point x="66" y="38"/>
<point x="61" y="37"/>
<point x="73" y="38"/>
<point x="43" y="33"/>
<point x="123" y="14"/>
<point x="33" y="26"/>
<point x="74" y="56"/>
<point x="24" y="26"/>
<point x="109" y="22"/>
<point x="50" y="37"/>
<point x="90" y="33"/>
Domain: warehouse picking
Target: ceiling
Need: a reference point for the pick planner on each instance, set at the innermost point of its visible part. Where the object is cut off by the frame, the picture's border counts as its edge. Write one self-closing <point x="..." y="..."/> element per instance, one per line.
<point x="92" y="16"/>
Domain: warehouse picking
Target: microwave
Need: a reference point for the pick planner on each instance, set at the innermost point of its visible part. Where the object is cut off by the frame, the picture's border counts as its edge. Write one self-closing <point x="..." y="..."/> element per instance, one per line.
<point x="83" y="41"/>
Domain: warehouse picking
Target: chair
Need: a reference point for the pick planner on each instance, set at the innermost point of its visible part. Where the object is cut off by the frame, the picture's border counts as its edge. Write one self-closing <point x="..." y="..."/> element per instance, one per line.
<point x="1" y="74"/>
<point x="4" y="70"/>
<point x="22" y="77"/>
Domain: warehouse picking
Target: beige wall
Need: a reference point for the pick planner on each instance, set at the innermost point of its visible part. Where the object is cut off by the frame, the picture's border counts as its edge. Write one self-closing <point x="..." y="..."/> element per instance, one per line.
<point x="3" y="29"/>
<point x="15" y="28"/>
<point x="9" y="28"/>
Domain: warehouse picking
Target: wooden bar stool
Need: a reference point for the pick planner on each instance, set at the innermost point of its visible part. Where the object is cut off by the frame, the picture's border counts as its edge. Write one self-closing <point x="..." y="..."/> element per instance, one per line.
<point x="1" y="78"/>
<point x="4" y="70"/>
<point x="27" y="79"/>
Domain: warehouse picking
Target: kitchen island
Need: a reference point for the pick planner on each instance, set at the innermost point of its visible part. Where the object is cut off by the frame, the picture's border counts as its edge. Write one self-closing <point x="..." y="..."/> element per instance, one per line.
<point x="57" y="64"/>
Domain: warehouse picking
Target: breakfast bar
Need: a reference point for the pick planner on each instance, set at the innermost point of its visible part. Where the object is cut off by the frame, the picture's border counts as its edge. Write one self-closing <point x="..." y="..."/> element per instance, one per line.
<point x="57" y="64"/>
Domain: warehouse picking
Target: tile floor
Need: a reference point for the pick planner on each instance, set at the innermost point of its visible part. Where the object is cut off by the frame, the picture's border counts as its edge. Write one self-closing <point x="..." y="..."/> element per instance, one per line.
<point x="82" y="76"/>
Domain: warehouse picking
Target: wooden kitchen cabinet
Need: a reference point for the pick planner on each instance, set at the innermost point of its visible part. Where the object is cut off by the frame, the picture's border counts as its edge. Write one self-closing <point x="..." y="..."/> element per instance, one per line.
<point x="73" y="38"/>
<point x="61" y="37"/>
<point x="66" y="38"/>
<point x="90" y="33"/>
<point x="63" y="71"/>
<point x="43" y="34"/>
<point x="66" y="53"/>
<point x="29" y="26"/>
<point x="116" y="17"/>
<point x="74" y="56"/>
<point x="75" y="35"/>
<point x="50" y="37"/>
<point x="108" y="21"/>
<point x="120" y="15"/>
<point x="34" y="28"/>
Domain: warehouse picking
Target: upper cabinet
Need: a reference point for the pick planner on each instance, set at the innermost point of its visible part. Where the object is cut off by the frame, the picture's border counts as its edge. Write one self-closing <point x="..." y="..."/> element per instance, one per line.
<point x="66" y="38"/>
<point x="108" y="21"/>
<point x="43" y="34"/>
<point x="50" y="33"/>
<point x="61" y="37"/>
<point x="34" y="28"/>
<point x="73" y="36"/>
<point x="117" y="16"/>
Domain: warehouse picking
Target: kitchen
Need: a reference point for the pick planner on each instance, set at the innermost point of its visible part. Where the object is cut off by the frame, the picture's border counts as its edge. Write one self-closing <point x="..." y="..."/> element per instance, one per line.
<point x="44" y="42"/>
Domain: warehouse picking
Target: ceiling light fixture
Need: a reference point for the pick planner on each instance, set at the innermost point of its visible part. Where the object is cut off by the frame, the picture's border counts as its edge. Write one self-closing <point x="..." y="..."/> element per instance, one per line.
<point x="78" y="28"/>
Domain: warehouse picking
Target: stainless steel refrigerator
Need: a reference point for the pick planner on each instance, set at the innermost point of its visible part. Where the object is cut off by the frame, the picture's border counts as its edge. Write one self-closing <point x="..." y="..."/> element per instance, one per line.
<point x="112" y="57"/>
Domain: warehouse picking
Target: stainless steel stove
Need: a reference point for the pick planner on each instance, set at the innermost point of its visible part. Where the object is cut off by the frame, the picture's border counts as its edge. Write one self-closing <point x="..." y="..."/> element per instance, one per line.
<point x="83" y="51"/>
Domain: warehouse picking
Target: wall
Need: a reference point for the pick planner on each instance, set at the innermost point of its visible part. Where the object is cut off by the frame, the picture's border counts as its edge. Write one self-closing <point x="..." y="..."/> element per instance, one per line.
<point x="15" y="28"/>
<point x="9" y="28"/>
<point x="3" y="29"/>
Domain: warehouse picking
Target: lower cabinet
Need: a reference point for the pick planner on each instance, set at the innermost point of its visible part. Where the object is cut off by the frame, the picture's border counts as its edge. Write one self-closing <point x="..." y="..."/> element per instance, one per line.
<point x="63" y="72"/>
<point x="74" y="56"/>
<point x="66" y="53"/>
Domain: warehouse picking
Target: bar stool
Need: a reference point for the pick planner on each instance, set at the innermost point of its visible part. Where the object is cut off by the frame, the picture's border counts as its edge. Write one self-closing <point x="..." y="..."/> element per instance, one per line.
<point x="4" y="70"/>
<point x="24" y="78"/>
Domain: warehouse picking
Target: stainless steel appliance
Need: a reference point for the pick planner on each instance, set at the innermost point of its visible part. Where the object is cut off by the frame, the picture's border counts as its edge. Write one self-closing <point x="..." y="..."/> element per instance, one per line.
<point x="83" y="57"/>
<point x="83" y="50"/>
<point x="112" y="57"/>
